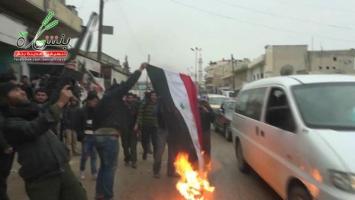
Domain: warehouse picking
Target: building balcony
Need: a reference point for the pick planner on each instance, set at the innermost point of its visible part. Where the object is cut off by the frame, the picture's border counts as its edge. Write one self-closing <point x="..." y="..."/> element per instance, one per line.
<point x="228" y="76"/>
<point x="32" y="12"/>
<point x="208" y="76"/>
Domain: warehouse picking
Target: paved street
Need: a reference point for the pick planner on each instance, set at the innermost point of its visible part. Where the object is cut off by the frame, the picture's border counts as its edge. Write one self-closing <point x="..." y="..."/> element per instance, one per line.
<point x="138" y="184"/>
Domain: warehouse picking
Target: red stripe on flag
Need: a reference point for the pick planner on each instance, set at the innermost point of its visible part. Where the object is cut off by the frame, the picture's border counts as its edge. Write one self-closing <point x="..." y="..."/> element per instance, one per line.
<point x="192" y="95"/>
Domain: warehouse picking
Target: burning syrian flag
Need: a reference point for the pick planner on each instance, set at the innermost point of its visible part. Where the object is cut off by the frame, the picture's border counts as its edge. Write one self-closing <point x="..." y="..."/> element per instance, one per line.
<point x="179" y="90"/>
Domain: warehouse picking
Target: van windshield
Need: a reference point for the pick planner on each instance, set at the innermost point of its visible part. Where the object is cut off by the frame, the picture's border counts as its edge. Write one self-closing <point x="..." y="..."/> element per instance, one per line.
<point x="327" y="105"/>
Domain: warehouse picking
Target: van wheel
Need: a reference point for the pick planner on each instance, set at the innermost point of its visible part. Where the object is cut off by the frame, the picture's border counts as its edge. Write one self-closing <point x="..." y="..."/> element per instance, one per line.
<point x="227" y="133"/>
<point x="298" y="192"/>
<point x="242" y="164"/>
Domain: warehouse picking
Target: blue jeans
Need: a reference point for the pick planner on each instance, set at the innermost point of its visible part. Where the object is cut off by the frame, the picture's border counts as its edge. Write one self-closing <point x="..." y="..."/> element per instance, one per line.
<point x="107" y="148"/>
<point x="88" y="150"/>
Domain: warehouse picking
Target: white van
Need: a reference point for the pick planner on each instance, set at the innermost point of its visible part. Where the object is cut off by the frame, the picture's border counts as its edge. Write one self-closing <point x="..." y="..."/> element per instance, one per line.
<point x="298" y="134"/>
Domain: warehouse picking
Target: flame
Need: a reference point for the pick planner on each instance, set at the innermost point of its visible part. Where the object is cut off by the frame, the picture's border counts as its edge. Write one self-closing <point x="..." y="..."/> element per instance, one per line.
<point x="192" y="184"/>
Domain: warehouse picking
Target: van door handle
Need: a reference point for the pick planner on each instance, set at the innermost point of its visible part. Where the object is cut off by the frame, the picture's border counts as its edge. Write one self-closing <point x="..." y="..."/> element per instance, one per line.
<point x="262" y="134"/>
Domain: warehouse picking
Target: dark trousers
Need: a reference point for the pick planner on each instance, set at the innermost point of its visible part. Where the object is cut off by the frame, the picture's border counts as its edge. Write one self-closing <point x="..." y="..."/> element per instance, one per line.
<point x="172" y="153"/>
<point x="159" y="142"/>
<point x="129" y="145"/>
<point x="147" y="132"/>
<point x="206" y="146"/>
<point x="6" y="161"/>
<point x="64" y="186"/>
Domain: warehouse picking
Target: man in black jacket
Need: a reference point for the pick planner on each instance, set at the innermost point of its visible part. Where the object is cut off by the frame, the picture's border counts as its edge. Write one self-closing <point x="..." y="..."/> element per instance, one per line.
<point x="86" y="134"/>
<point x="69" y="126"/>
<point x="129" y="137"/>
<point x="207" y="117"/>
<point x="40" y="97"/>
<point x="109" y="122"/>
<point x="43" y="158"/>
<point x="6" y="159"/>
<point x="6" y="151"/>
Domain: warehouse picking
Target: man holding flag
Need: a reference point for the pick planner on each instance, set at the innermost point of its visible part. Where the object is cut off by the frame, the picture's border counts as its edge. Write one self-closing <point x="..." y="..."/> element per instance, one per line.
<point x="183" y="124"/>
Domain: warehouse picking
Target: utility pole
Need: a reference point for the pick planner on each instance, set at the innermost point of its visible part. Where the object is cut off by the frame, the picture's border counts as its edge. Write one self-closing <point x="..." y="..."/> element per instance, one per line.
<point x="198" y="61"/>
<point x="146" y="80"/>
<point x="233" y="74"/>
<point x="99" y="45"/>
<point x="196" y="54"/>
<point x="200" y="68"/>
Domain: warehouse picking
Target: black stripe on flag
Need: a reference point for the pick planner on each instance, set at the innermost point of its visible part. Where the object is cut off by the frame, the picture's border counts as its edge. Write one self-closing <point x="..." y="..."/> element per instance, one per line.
<point x="179" y="139"/>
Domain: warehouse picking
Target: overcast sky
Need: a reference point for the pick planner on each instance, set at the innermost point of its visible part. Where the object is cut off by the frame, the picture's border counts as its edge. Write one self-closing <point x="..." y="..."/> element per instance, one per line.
<point x="167" y="29"/>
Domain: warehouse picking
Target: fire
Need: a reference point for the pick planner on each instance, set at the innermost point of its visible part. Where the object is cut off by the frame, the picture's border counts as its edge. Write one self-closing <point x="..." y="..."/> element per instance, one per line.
<point x="192" y="184"/>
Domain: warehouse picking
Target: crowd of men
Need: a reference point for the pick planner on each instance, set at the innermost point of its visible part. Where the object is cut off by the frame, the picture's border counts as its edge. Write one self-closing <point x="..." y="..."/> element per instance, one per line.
<point x="44" y="132"/>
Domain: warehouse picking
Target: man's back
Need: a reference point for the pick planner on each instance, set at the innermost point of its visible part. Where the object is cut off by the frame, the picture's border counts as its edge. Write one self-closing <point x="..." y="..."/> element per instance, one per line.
<point x="110" y="112"/>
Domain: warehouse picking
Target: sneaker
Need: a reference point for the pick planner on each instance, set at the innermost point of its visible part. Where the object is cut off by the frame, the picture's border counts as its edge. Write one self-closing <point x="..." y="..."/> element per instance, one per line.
<point x="82" y="175"/>
<point x="144" y="156"/>
<point x="134" y="165"/>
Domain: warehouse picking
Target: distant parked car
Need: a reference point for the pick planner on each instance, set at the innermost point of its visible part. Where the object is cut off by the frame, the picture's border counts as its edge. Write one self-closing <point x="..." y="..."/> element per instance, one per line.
<point x="215" y="100"/>
<point x="224" y="117"/>
<point x="298" y="134"/>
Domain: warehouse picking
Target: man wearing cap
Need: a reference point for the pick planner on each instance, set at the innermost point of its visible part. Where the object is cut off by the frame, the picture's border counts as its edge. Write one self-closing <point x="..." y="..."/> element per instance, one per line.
<point x="6" y="151"/>
<point x="6" y="159"/>
<point x="43" y="158"/>
<point x="86" y="134"/>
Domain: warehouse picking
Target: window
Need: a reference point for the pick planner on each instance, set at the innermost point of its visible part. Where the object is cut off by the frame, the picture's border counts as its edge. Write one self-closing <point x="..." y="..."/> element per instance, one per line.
<point x="334" y="59"/>
<point x="334" y="67"/>
<point x="324" y="106"/>
<point x="320" y="67"/>
<point x="262" y="75"/>
<point x="327" y="67"/>
<point x="241" y="106"/>
<point x="250" y="103"/>
<point x="278" y="111"/>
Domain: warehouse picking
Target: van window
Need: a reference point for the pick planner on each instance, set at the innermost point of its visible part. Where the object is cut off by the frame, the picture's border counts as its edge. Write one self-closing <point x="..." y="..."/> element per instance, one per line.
<point x="250" y="103"/>
<point x="327" y="105"/>
<point x="241" y="106"/>
<point x="278" y="111"/>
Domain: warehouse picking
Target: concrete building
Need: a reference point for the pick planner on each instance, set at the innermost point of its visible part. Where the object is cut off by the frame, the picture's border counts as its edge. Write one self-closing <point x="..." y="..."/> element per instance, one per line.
<point x="221" y="75"/>
<point x="297" y="59"/>
<point x="27" y="15"/>
<point x="278" y="60"/>
<point x="329" y="62"/>
<point x="111" y="69"/>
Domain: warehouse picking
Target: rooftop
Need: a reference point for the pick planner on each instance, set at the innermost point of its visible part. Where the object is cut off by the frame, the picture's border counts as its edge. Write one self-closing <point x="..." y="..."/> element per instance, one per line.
<point x="292" y="80"/>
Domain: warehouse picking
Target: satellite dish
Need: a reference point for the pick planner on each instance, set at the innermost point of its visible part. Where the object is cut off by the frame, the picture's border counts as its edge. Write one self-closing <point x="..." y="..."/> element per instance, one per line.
<point x="286" y="70"/>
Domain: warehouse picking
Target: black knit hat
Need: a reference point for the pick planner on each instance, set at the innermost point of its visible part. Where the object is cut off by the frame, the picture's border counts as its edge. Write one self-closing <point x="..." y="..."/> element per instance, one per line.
<point x="5" y="88"/>
<point x="6" y="77"/>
